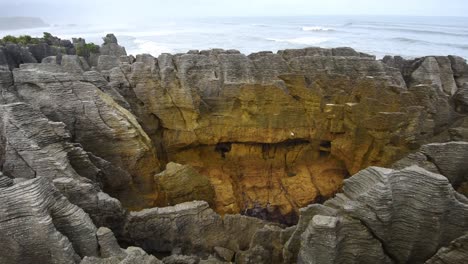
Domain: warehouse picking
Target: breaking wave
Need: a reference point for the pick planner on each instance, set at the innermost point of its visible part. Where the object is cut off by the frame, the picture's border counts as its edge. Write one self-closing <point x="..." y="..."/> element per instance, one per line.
<point x="150" y="47"/>
<point x="302" y="41"/>
<point x="317" y="28"/>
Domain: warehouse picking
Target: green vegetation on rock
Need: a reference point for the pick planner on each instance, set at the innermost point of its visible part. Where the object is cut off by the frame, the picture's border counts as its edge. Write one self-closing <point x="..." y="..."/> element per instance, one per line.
<point x="22" y="40"/>
<point x="86" y="49"/>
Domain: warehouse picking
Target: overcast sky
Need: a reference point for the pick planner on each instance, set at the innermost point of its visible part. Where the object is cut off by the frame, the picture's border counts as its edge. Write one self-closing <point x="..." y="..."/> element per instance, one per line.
<point x="81" y="11"/>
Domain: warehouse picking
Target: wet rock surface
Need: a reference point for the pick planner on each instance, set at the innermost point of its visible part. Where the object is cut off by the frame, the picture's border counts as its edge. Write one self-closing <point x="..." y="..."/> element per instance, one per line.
<point x="231" y="157"/>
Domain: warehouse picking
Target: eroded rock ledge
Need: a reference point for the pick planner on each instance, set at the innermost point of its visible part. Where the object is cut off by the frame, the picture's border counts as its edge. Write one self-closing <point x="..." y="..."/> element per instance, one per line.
<point x="262" y="135"/>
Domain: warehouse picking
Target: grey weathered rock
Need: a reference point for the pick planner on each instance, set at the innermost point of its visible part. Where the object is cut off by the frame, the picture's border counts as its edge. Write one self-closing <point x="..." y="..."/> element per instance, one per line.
<point x="381" y="215"/>
<point x="12" y="55"/>
<point x="266" y="246"/>
<point x="99" y="81"/>
<point x="111" y="253"/>
<point x="32" y="146"/>
<point x="108" y="245"/>
<point x="111" y="47"/>
<point x="330" y="239"/>
<point x="109" y="39"/>
<point x="455" y="253"/>
<point x="460" y="70"/>
<point x="103" y="209"/>
<point x="182" y="183"/>
<point x="436" y="71"/>
<point x="132" y="255"/>
<point x="191" y="227"/>
<point x="461" y="99"/>
<point x="292" y="246"/>
<point x="92" y="117"/>
<point x="72" y="64"/>
<point x="212" y="260"/>
<point x="316" y="51"/>
<point x="448" y="159"/>
<point x="181" y="259"/>
<point x="45" y="49"/>
<point x="224" y="253"/>
<point x="417" y="223"/>
<point x="50" y="59"/>
<point x="37" y="147"/>
<point x="5" y="181"/>
<point x="459" y="131"/>
<point x="107" y="62"/>
<point x="39" y="225"/>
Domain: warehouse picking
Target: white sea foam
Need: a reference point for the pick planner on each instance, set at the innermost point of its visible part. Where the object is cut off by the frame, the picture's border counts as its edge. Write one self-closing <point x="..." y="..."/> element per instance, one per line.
<point x="302" y="41"/>
<point x="150" y="47"/>
<point x="317" y="28"/>
<point x="260" y="25"/>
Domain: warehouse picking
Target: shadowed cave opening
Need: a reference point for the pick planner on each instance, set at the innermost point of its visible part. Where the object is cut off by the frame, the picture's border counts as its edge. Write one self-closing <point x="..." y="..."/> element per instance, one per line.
<point x="223" y="148"/>
<point x="269" y="181"/>
<point x="325" y="148"/>
<point x="271" y="213"/>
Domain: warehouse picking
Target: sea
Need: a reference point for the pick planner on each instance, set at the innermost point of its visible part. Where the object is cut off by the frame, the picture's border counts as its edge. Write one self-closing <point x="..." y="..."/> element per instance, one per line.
<point x="378" y="35"/>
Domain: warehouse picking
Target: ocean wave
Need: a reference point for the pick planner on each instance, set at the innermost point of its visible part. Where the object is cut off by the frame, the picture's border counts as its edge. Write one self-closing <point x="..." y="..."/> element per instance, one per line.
<point x="301" y="41"/>
<point x="412" y="41"/>
<point x="423" y="42"/>
<point x="150" y="47"/>
<point x="317" y="28"/>
<point x="260" y="25"/>
<point x="458" y="46"/>
<point x="414" y="31"/>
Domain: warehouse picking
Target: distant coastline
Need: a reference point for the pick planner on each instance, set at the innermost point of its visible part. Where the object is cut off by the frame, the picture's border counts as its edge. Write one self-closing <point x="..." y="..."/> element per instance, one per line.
<point x="12" y="23"/>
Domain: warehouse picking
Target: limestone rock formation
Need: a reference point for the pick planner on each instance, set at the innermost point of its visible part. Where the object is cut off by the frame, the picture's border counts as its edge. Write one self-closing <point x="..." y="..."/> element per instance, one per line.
<point x="189" y="228"/>
<point x="31" y="146"/>
<point x="39" y="225"/>
<point x="111" y="47"/>
<point x="262" y="135"/>
<point x="340" y="239"/>
<point x="111" y="253"/>
<point x="448" y="159"/>
<point x="266" y="245"/>
<point x="181" y="183"/>
<point x="405" y="216"/>
<point x="13" y="55"/>
<point x="5" y="181"/>
<point x="92" y="118"/>
<point x="330" y="112"/>
<point x="455" y="253"/>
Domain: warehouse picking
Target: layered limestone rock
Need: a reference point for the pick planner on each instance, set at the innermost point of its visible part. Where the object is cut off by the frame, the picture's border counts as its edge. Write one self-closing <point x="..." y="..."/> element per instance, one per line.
<point x="95" y="121"/>
<point x="332" y="239"/>
<point x="39" y="225"/>
<point x="266" y="246"/>
<point x="448" y="159"/>
<point x="111" y="47"/>
<point x="263" y="135"/>
<point x="189" y="228"/>
<point x="271" y="131"/>
<point x="181" y="183"/>
<point x="111" y="253"/>
<point x="279" y="131"/>
<point x="402" y="216"/>
<point x="455" y="253"/>
<point x="31" y="146"/>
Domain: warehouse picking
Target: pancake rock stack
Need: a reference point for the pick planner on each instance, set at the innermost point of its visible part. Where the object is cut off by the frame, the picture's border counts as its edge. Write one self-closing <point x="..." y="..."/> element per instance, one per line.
<point x="214" y="156"/>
